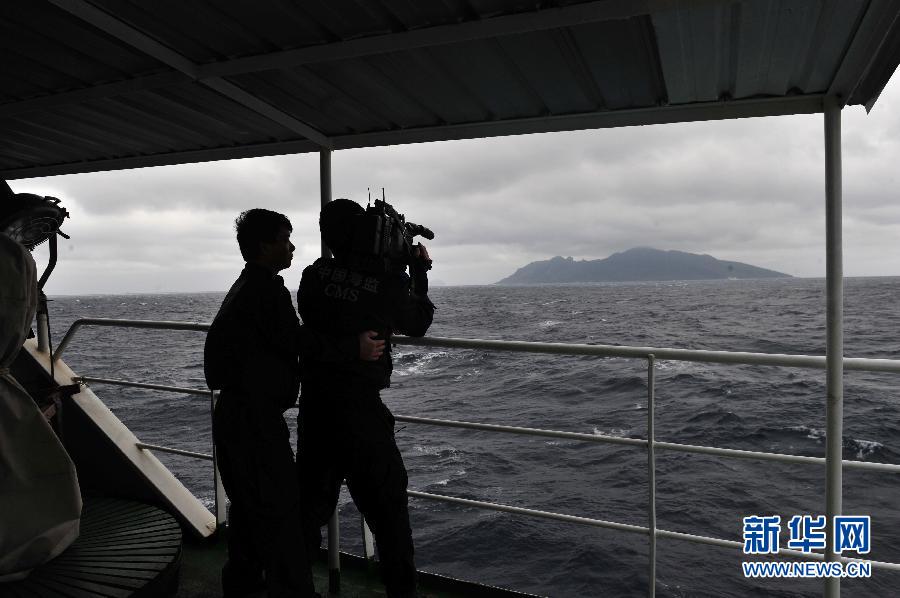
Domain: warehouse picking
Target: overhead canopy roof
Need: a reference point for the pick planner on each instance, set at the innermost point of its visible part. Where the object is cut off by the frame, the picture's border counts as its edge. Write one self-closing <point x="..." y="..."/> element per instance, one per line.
<point x="107" y="84"/>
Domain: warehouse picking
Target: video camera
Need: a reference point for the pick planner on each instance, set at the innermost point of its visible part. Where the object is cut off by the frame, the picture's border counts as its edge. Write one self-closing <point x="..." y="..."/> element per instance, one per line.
<point x="385" y="235"/>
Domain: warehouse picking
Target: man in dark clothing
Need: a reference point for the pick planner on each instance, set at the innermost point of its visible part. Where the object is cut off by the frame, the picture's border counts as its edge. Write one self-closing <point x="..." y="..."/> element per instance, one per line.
<point x="251" y="354"/>
<point x="344" y="429"/>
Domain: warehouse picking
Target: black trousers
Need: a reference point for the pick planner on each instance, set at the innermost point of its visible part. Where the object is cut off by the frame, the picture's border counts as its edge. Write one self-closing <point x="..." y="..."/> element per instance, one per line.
<point x="352" y="437"/>
<point x="265" y="531"/>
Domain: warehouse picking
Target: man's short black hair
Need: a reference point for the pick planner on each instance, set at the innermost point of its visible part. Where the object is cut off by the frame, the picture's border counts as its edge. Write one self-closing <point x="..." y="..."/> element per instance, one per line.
<point x="336" y="223"/>
<point x="256" y="226"/>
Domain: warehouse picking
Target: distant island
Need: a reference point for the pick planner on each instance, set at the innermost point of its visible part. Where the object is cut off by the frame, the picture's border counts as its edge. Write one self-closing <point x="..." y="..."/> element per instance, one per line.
<point x="634" y="265"/>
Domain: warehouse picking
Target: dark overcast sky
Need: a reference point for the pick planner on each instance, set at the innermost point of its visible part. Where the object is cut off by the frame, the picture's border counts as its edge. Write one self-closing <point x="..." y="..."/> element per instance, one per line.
<point x="750" y="190"/>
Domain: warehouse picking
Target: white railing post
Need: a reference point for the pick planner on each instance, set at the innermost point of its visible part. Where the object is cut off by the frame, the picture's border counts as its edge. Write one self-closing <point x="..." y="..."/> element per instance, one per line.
<point x="368" y="540"/>
<point x="218" y="488"/>
<point x="651" y="470"/>
<point x="43" y="332"/>
<point x="334" y="553"/>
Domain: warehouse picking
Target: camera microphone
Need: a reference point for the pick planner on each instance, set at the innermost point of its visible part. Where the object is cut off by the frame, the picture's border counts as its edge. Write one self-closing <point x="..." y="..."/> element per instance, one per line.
<point x="418" y="229"/>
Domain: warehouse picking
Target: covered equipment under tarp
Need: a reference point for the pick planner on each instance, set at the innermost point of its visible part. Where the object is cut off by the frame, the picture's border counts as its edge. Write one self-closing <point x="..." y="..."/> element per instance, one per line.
<point x="40" y="502"/>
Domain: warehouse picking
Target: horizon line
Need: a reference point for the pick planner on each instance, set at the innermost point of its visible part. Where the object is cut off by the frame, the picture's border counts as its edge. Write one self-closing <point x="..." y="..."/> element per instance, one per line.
<point x="485" y="284"/>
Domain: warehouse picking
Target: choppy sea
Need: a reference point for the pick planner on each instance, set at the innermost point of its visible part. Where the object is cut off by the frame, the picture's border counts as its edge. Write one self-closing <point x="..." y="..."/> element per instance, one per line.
<point x="768" y="409"/>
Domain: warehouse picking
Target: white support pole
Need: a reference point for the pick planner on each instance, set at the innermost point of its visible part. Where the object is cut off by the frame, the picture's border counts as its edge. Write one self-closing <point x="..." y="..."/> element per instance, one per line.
<point x="651" y="469"/>
<point x="834" y="345"/>
<point x="325" y="185"/>
<point x="334" y="531"/>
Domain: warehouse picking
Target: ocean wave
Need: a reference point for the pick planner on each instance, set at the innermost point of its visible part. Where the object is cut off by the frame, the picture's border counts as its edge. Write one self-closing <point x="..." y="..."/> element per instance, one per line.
<point x="668" y="365"/>
<point x="614" y="432"/>
<point x="474" y="372"/>
<point x="407" y="364"/>
<point x="631" y="383"/>
<point x="716" y="417"/>
<point x="444" y="452"/>
<point x="445" y="481"/>
<point x="817" y="434"/>
<point x="863" y="449"/>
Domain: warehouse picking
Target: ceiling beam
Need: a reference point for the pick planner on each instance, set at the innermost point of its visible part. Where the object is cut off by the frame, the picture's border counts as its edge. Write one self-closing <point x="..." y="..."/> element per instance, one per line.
<point x="124" y="32"/>
<point x="259" y="106"/>
<point x="750" y="108"/>
<point x="537" y="20"/>
<point x="143" y="42"/>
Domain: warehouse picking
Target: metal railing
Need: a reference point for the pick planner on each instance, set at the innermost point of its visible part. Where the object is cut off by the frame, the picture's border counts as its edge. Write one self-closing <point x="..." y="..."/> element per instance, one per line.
<point x="219" y="490"/>
<point x="649" y="354"/>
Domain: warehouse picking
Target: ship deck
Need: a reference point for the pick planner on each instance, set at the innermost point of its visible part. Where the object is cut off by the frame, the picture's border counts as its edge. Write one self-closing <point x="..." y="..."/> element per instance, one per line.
<point x="202" y="562"/>
<point x="130" y="549"/>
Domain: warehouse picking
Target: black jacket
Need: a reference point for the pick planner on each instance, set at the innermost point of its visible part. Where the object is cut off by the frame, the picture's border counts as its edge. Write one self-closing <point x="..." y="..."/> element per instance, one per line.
<point x="337" y="299"/>
<point x="253" y="345"/>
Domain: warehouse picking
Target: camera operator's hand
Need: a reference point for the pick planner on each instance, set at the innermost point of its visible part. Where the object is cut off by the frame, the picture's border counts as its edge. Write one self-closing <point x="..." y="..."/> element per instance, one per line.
<point x="418" y="271"/>
<point x="370" y="348"/>
<point x="423" y="260"/>
<point x="420" y="252"/>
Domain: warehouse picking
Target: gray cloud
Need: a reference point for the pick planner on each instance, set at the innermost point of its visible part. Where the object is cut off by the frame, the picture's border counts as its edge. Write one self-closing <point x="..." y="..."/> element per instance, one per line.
<point x="750" y="190"/>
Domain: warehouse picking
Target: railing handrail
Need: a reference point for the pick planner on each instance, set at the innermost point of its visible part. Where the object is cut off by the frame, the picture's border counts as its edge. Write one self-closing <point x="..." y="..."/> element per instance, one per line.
<point x="124" y="323"/>
<point x="576" y="436"/>
<point x="145" y="385"/>
<point x="627" y="527"/>
<point x="640" y="442"/>
<point x="865" y="364"/>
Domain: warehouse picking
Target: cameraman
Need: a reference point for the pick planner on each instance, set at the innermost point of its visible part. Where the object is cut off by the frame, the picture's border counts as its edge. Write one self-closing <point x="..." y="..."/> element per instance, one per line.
<point x="344" y="430"/>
